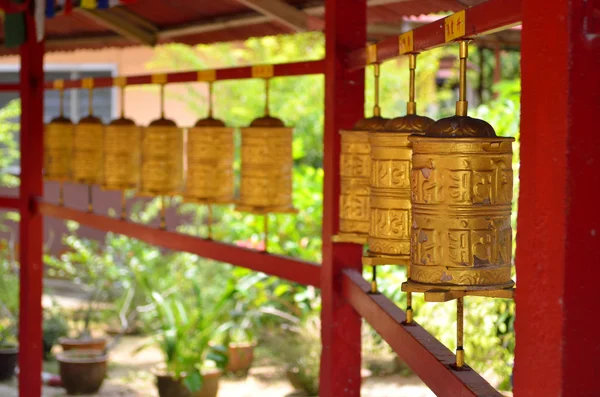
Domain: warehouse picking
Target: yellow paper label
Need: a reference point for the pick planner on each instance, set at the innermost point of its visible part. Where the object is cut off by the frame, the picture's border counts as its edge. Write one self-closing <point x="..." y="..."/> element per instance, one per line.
<point x="455" y="26"/>
<point x="160" y="78"/>
<point x="371" y="54"/>
<point x="207" y="75"/>
<point x="87" y="83"/>
<point x="58" y="84"/>
<point x="262" y="71"/>
<point x="120" y="81"/>
<point x="406" y="43"/>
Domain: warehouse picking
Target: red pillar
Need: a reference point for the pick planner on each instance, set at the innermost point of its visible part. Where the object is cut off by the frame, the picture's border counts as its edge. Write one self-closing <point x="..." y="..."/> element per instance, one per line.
<point x="345" y="30"/>
<point x="558" y="239"/>
<point x="32" y="131"/>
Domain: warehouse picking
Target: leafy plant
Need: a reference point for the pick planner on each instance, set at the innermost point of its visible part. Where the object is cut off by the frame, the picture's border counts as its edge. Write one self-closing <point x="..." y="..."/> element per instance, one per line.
<point x="185" y="328"/>
<point x="54" y="326"/>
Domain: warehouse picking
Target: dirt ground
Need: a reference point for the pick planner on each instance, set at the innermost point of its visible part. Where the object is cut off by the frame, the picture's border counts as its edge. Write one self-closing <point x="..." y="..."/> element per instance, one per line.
<point x="129" y="376"/>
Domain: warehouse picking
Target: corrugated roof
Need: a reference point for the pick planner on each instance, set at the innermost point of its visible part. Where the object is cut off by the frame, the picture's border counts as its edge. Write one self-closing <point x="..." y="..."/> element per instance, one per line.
<point x="204" y="21"/>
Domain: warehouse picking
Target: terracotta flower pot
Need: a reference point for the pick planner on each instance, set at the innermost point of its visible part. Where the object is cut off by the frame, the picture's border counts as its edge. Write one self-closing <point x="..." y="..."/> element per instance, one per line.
<point x="82" y="371"/>
<point x="82" y="343"/>
<point x="8" y="361"/>
<point x="168" y="386"/>
<point x="241" y="356"/>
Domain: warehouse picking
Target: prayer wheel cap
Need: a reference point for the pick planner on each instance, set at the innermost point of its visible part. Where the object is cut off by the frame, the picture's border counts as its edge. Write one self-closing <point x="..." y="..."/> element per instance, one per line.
<point x="409" y="123"/>
<point x="162" y="122"/>
<point x="90" y="120"/>
<point x="267" y="121"/>
<point x="375" y="123"/>
<point x="461" y="127"/>
<point x="209" y="122"/>
<point x="61" y="120"/>
<point x="122" y="122"/>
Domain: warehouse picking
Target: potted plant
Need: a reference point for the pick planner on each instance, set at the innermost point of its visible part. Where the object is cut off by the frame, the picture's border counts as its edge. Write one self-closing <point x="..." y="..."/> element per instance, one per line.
<point x="85" y="263"/>
<point x="185" y="328"/>
<point x="82" y="371"/>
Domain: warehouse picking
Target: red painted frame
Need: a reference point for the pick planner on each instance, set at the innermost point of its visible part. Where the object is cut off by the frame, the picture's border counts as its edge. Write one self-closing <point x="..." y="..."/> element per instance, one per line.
<point x="558" y="221"/>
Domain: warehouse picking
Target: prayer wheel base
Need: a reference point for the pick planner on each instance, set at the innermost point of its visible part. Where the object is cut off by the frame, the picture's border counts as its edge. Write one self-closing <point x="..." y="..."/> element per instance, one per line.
<point x="209" y="201"/>
<point x="354" y="238"/>
<point x="265" y="210"/>
<point x="372" y="259"/>
<point x="445" y="293"/>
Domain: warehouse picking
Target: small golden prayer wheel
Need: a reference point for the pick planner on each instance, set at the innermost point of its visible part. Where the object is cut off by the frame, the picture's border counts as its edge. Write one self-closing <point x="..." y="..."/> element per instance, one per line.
<point x="355" y="175"/>
<point x="58" y="148"/>
<point x="122" y="141"/>
<point x="462" y="186"/>
<point x="161" y="171"/>
<point x="210" y="154"/>
<point x="122" y="155"/>
<point x="88" y="148"/>
<point x="88" y="138"/>
<point x="267" y="167"/>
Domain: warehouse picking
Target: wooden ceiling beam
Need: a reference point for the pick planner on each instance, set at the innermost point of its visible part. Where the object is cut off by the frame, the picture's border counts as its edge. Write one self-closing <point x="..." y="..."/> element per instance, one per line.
<point x="124" y="26"/>
<point x="281" y="12"/>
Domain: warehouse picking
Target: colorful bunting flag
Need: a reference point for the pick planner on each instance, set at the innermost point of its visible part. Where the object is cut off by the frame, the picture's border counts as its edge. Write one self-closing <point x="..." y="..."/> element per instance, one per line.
<point x="14" y="28"/>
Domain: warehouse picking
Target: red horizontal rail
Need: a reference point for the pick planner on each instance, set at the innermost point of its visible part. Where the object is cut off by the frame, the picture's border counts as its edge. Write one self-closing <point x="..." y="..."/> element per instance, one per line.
<point x="422" y="352"/>
<point x="10" y="203"/>
<point x="9" y="87"/>
<point x="244" y="72"/>
<point x="485" y="18"/>
<point x="296" y="270"/>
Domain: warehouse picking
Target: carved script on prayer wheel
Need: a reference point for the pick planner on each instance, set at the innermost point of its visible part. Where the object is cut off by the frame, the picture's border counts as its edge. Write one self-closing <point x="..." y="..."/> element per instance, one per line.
<point x="58" y="150"/>
<point x="122" y="141"/>
<point x="210" y="153"/>
<point x="162" y="160"/>
<point x="462" y="193"/>
<point x="88" y="138"/>
<point x="267" y="164"/>
<point x="355" y="174"/>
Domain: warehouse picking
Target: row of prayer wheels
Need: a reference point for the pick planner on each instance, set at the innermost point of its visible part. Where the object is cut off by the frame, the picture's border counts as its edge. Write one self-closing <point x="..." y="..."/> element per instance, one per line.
<point x="123" y="156"/>
<point x="434" y="196"/>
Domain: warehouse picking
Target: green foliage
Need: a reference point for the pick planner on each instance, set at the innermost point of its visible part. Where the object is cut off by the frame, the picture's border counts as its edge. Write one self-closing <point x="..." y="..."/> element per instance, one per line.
<point x="184" y="328"/>
<point x="9" y="298"/>
<point x="9" y="145"/>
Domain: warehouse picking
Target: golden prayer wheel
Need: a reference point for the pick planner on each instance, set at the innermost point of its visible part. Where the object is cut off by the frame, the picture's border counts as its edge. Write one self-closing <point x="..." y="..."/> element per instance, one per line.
<point x="210" y="155"/>
<point x="390" y="202"/>
<point x="58" y="149"/>
<point x="161" y="172"/>
<point x="355" y="175"/>
<point x="267" y="167"/>
<point x="462" y="186"/>
<point x="88" y="145"/>
<point x="122" y="141"/>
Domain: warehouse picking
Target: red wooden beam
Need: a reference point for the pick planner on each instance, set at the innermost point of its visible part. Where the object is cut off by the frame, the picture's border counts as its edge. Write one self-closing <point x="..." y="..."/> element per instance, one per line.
<point x="10" y="203"/>
<point x="422" y="352"/>
<point x="559" y="221"/>
<point x="345" y="30"/>
<point x="296" y="270"/>
<point x="244" y="72"/>
<point x="487" y="17"/>
<point x="31" y="223"/>
<point x="9" y="87"/>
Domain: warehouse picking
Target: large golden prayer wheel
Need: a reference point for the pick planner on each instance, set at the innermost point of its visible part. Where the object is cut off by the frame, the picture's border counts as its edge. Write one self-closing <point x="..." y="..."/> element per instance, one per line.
<point x="462" y="186"/>
<point x="267" y="165"/>
<point x="88" y="148"/>
<point x="390" y="196"/>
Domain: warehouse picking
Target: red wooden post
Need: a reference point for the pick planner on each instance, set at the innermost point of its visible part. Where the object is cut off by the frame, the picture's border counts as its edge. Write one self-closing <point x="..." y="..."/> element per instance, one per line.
<point x="559" y="220"/>
<point x="345" y="30"/>
<point x="31" y="231"/>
